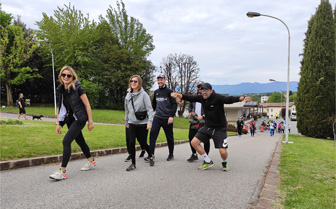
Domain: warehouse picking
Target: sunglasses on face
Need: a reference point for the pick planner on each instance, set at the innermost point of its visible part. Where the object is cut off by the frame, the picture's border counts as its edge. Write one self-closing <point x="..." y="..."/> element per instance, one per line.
<point x="133" y="81"/>
<point x="204" y="90"/>
<point x="67" y="75"/>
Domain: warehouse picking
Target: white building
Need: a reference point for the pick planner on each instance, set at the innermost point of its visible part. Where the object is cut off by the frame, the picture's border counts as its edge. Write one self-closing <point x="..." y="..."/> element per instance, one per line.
<point x="264" y="99"/>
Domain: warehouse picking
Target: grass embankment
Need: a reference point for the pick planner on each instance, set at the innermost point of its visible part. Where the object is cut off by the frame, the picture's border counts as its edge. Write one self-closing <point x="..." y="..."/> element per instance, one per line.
<point x="307" y="173"/>
<point x="103" y="116"/>
<point x="38" y="138"/>
<point x="35" y="138"/>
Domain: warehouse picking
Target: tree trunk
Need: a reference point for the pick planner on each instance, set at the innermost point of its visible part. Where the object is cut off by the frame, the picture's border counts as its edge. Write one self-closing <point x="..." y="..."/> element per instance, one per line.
<point x="9" y="95"/>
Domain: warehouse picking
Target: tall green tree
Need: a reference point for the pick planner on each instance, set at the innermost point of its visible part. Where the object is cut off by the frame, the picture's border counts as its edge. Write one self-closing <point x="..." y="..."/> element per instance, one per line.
<point x="132" y="45"/>
<point x="15" y="48"/>
<point x="316" y="89"/>
<point x="72" y="38"/>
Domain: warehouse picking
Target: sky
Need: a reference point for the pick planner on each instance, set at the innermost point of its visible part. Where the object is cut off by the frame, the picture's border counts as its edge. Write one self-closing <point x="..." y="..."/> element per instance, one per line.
<point x="229" y="47"/>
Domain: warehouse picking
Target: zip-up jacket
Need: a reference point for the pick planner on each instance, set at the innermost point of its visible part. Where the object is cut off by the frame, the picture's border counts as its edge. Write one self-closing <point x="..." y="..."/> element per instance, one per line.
<point x="141" y="102"/>
<point x="163" y="104"/>
<point x="76" y="103"/>
<point x="213" y="108"/>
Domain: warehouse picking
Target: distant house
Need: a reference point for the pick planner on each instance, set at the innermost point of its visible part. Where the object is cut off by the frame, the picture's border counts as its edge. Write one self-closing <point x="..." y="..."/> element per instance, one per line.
<point x="264" y="99"/>
<point x="235" y="111"/>
<point x="273" y="108"/>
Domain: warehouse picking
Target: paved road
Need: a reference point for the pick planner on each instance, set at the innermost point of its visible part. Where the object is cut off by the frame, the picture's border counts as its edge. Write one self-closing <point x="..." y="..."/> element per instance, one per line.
<point x="175" y="184"/>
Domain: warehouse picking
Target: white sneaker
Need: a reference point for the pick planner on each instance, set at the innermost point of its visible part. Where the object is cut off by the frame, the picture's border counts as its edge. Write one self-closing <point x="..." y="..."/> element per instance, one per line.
<point x="88" y="165"/>
<point x="58" y="175"/>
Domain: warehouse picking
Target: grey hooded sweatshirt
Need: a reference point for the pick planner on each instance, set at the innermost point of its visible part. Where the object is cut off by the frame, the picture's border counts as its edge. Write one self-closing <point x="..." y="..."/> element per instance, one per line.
<point x="141" y="102"/>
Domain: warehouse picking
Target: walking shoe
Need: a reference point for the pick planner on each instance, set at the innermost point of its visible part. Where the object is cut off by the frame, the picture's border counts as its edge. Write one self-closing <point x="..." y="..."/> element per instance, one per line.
<point x="146" y="159"/>
<point x="131" y="167"/>
<point x="206" y="165"/>
<point x="225" y="166"/>
<point x="27" y="119"/>
<point x="58" y="175"/>
<point x="170" y="157"/>
<point x="89" y="165"/>
<point x="192" y="158"/>
<point x="151" y="160"/>
<point x="128" y="158"/>
<point x="142" y="153"/>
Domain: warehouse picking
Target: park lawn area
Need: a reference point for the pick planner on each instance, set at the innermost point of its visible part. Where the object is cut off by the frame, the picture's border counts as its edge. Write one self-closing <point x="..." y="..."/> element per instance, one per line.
<point x="307" y="173"/>
<point x="38" y="138"/>
<point x="99" y="115"/>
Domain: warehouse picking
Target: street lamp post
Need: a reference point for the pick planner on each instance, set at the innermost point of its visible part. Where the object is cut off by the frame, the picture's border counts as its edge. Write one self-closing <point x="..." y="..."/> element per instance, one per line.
<point x="53" y="68"/>
<point x="256" y="14"/>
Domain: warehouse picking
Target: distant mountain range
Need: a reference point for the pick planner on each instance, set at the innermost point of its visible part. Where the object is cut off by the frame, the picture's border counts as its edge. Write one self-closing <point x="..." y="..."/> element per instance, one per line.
<point x="257" y="88"/>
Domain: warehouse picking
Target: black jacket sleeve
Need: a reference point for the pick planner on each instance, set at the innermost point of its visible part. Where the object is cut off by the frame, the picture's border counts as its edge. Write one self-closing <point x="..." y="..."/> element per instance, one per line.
<point x="192" y="98"/>
<point x="154" y="102"/>
<point x="173" y="104"/>
<point x="228" y="100"/>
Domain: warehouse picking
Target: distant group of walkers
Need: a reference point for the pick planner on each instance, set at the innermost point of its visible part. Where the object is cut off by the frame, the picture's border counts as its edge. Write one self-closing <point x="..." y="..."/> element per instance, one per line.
<point x="207" y="120"/>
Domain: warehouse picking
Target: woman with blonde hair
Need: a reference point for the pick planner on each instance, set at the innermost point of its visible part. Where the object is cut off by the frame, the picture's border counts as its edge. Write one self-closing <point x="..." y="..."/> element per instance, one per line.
<point x="74" y="110"/>
<point x="138" y="118"/>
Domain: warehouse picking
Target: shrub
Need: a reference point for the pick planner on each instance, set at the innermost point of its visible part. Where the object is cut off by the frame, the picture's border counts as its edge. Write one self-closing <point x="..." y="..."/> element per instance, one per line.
<point x="11" y="122"/>
<point x="231" y="128"/>
<point x="234" y="129"/>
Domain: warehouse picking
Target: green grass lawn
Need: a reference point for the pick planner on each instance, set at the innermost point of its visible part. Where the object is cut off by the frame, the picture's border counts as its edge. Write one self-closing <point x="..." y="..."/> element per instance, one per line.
<point x="104" y="116"/>
<point x="38" y="138"/>
<point x="307" y="173"/>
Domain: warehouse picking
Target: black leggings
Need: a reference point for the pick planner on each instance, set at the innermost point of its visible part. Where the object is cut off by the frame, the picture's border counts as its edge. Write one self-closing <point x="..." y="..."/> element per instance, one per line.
<point x="139" y="132"/>
<point x="192" y="133"/>
<point x="74" y="132"/>
<point x="128" y="141"/>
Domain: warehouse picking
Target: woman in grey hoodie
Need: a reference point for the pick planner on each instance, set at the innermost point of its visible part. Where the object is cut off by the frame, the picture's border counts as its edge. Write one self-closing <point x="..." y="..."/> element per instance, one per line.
<point x="138" y="128"/>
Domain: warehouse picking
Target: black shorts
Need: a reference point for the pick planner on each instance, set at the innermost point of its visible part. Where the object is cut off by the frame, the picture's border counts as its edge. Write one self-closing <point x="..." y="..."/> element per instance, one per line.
<point x="219" y="136"/>
<point x="22" y="111"/>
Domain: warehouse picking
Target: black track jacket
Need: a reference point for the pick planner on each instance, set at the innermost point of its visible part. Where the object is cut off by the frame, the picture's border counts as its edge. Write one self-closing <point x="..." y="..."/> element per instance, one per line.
<point x="164" y="105"/>
<point x="213" y="108"/>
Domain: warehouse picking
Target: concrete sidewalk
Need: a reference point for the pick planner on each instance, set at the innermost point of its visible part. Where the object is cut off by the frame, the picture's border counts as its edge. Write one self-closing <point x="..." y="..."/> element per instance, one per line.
<point x="174" y="184"/>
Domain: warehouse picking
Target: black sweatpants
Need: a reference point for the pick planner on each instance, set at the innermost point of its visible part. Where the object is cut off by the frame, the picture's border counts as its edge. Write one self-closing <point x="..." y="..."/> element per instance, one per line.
<point x="239" y="130"/>
<point x="127" y="140"/>
<point x="74" y="133"/>
<point x="192" y="133"/>
<point x="140" y="133"/>
<point x="155" y="130"/>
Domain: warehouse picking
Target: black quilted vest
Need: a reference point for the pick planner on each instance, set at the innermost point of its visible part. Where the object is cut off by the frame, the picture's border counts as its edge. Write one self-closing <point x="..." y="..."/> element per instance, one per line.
<point x="75" y="101"/>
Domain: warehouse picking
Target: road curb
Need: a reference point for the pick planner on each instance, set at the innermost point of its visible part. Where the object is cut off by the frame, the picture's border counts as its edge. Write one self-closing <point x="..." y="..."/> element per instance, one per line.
<point x="268" y="194"/>
<point x="22" y="163"/>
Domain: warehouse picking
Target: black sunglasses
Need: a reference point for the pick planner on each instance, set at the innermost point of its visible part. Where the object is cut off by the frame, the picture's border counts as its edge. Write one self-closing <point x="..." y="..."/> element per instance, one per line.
<point x="67" y="75"/>
<point x="135" y="81"/>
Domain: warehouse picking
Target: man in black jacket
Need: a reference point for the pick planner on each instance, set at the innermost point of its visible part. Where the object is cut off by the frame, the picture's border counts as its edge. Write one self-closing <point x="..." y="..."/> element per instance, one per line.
<point x="165" y="108"/>
<point x="215" y="122"/>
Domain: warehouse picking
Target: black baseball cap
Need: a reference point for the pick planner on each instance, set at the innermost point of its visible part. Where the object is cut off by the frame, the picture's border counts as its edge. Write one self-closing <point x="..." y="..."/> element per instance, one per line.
<point x="161" y="76"/>
<point x="199" y="85"/>
<point x="206" y="86"/>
